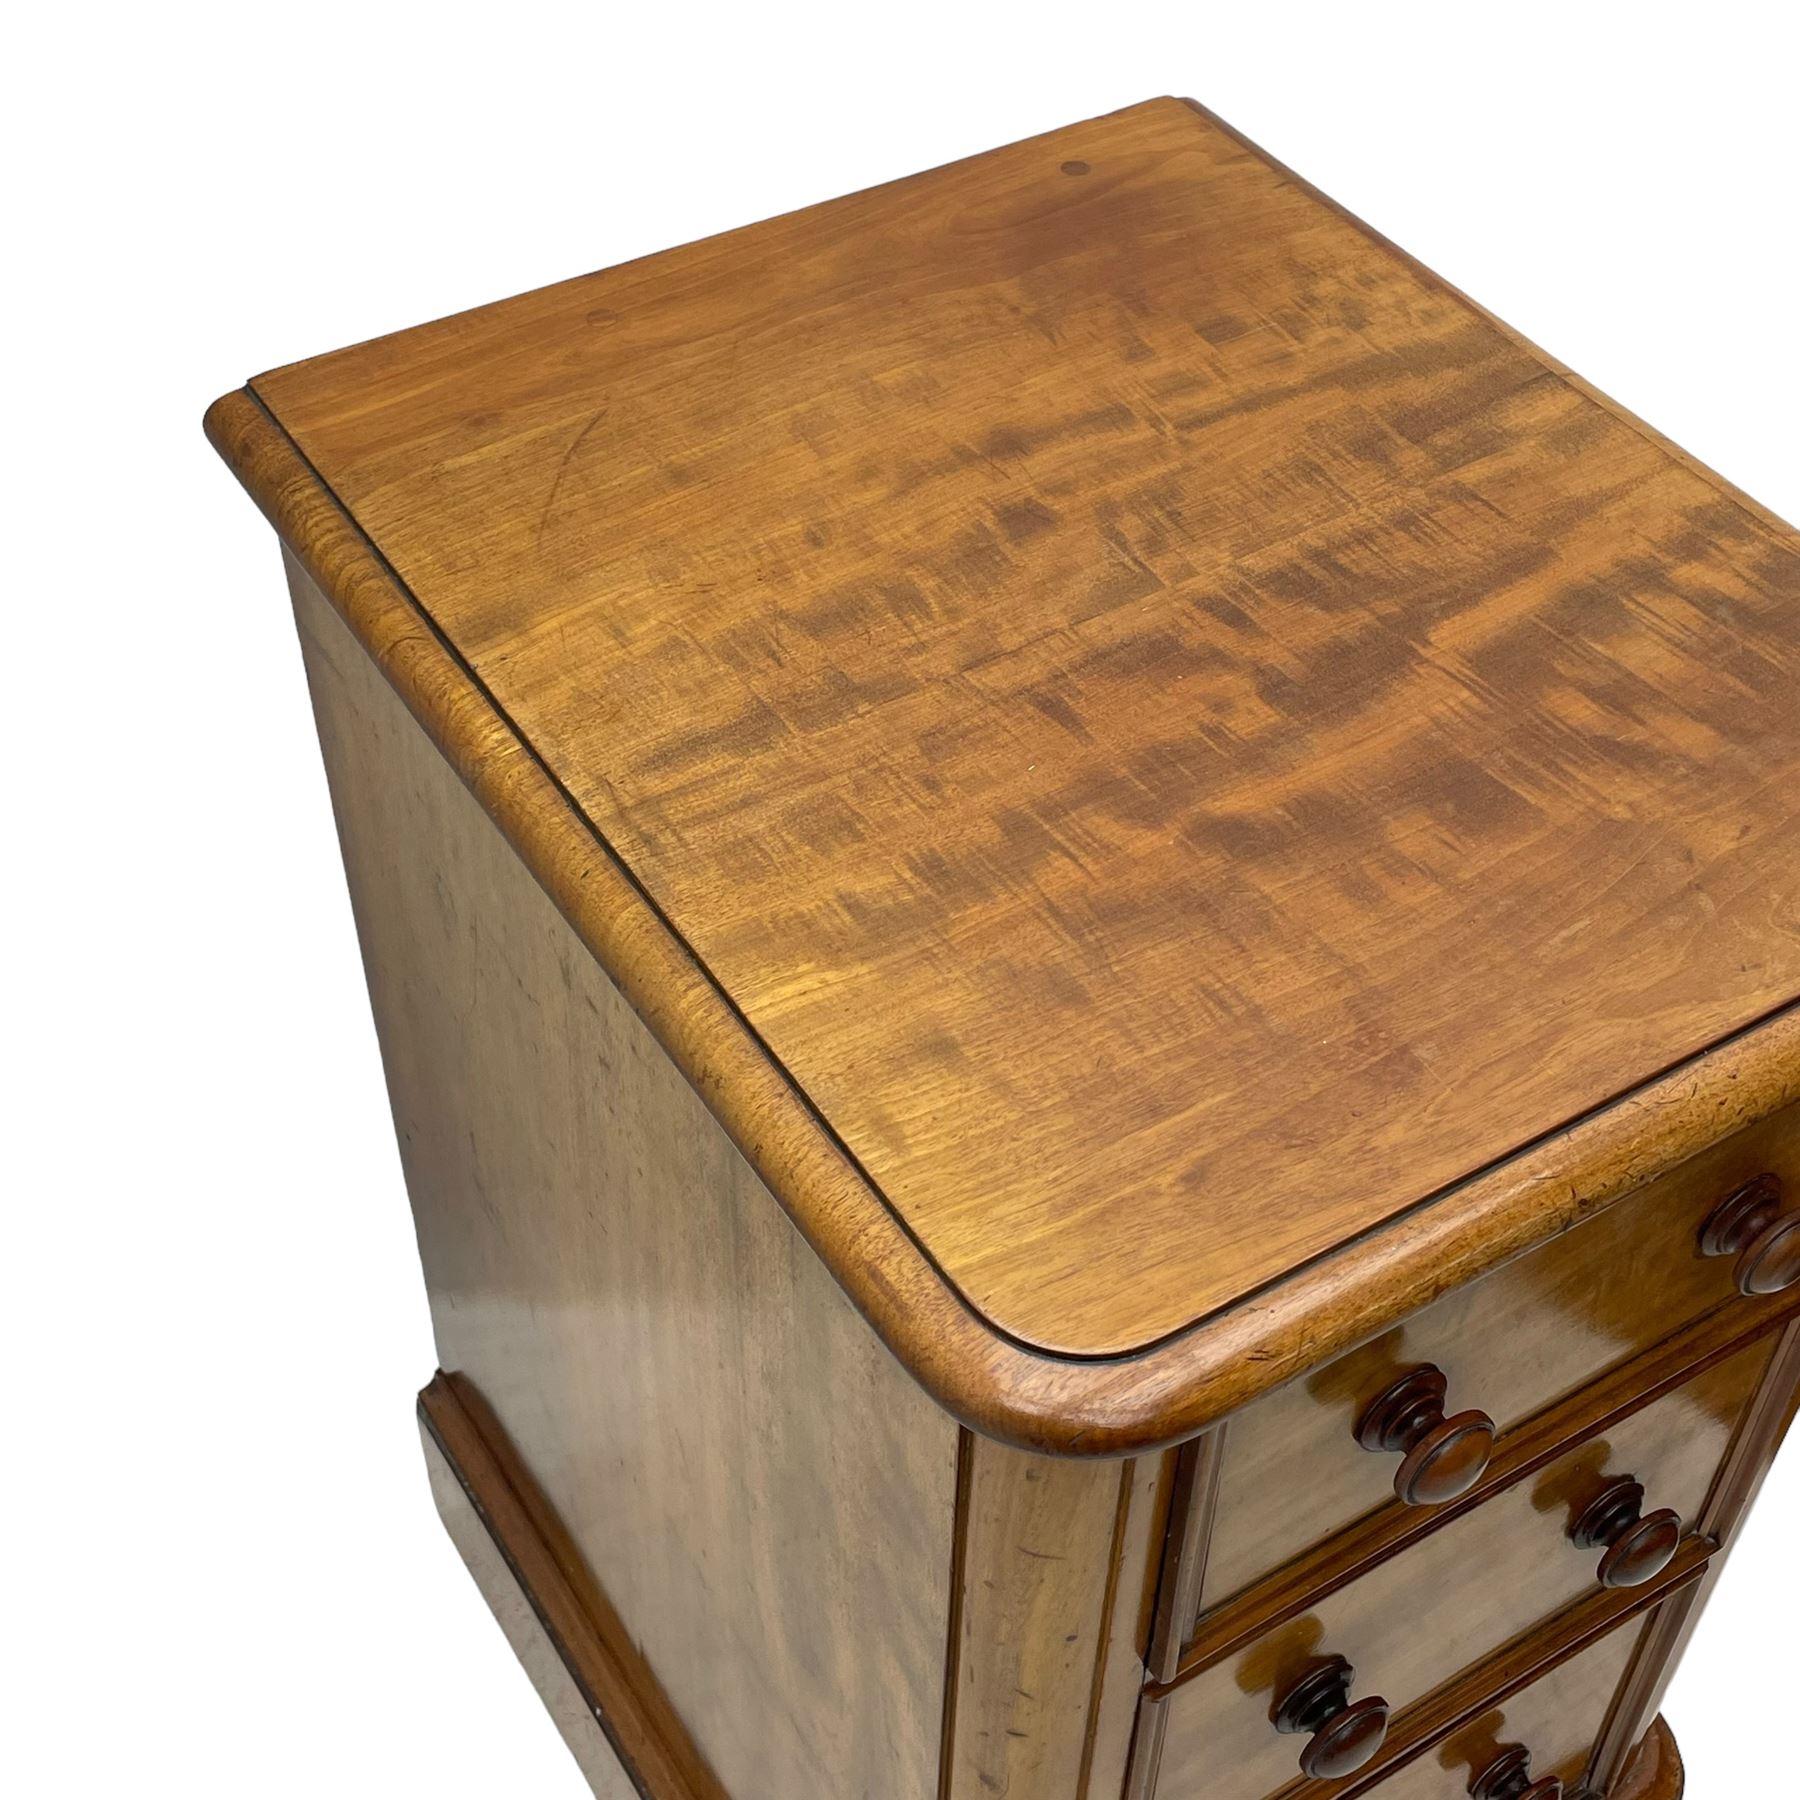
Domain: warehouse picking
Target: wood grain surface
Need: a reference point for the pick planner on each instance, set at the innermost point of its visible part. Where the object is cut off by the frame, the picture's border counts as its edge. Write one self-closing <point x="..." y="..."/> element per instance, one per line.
<point x="1181" y="738"/>
<point x="741" y="1485"/>
<point x="1166" y="736"/>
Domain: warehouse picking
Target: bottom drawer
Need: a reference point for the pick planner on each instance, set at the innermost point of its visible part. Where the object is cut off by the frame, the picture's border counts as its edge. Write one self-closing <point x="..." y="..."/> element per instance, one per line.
<point x="1549" y="1727"/>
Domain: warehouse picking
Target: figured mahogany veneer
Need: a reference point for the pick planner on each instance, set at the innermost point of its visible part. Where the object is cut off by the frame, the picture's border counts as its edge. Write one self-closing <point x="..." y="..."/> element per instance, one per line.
<point x="1082" y="906"/>
<point x="1150" y="759"/>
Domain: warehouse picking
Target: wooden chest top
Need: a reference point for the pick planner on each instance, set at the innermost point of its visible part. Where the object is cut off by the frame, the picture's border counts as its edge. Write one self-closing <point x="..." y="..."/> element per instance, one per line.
<point x="1176" y="736"/>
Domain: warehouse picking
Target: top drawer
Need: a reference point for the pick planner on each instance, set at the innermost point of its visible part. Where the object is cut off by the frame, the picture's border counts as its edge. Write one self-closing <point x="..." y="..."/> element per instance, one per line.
<point x="1294" y="1473"/>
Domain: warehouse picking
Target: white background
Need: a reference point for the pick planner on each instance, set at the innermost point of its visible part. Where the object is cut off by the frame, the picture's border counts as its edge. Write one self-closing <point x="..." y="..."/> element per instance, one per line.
<point x="224" y="1574"/>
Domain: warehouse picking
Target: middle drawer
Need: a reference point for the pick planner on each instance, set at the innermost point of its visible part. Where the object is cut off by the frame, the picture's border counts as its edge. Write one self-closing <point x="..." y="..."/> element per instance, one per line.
<point x="1449" y="1599"/>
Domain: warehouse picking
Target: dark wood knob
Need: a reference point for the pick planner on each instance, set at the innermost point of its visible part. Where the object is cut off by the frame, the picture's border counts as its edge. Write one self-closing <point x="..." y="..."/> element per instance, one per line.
<point x="1439" y="1457"/>
<point x="1341" y="1734"/>
<point x="1508" y="1777"/>
<point x="1750" y="1224"/>
<point x="1639" y="1545"/>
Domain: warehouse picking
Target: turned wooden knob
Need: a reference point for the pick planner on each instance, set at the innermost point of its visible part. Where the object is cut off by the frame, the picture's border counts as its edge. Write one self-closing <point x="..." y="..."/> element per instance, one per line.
<point x="1749" y="1223"/>
<point x="1341" y="1734"/>
<point x="1639" y="1545"/>
<point x="1440" y="1457"/>
<point x="1508" y="1777"/>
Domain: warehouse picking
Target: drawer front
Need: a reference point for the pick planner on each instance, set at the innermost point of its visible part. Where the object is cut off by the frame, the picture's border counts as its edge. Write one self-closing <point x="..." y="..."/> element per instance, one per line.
<point x="1556" y="1720"/>
<point x="1294" y="1473"/>
<point x="1453" y="1597"/>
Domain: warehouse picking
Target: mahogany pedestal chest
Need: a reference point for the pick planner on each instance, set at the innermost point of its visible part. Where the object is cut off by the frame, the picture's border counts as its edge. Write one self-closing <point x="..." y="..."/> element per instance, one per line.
<point x="1084" y="909"/>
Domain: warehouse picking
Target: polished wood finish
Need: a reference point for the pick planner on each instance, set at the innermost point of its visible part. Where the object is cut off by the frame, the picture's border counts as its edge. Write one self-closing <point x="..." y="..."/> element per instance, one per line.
<point x="694" y="1399"/>
<point x="1489" y="1575"/>
<point x="980" y="722"/>
<point x="1512" y="1344"/>
<point x="938" y="480"/>
<point x="1073" y="770"/>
